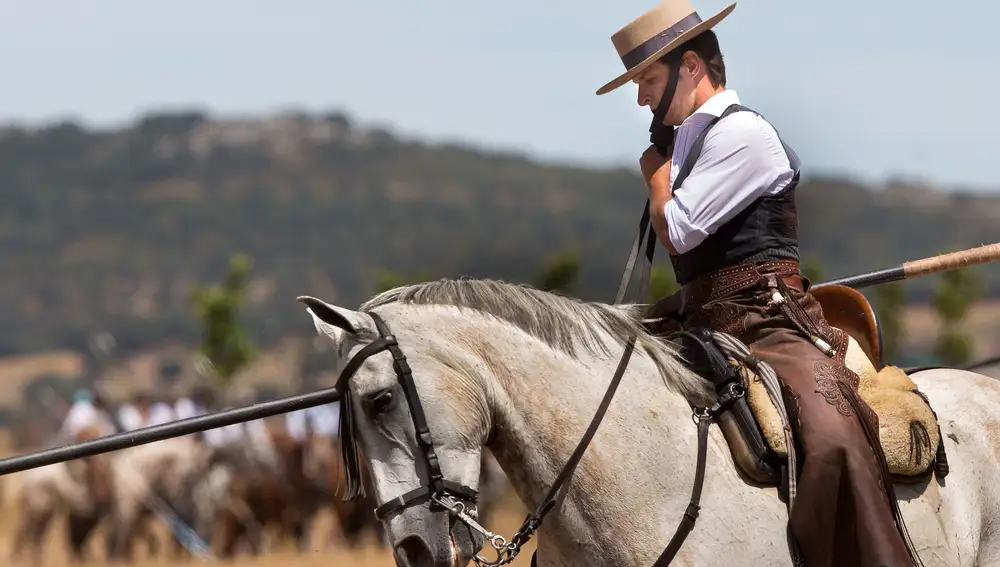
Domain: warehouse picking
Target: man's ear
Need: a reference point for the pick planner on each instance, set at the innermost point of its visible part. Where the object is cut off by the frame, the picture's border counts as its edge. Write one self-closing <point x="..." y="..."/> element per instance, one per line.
<point x="690" y="62"/>
<point x="333" y="321"/>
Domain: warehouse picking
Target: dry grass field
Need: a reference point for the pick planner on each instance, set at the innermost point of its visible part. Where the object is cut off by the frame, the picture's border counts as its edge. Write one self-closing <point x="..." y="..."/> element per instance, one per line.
<point x="508" y="516"/>
<point x="507" y="519"/>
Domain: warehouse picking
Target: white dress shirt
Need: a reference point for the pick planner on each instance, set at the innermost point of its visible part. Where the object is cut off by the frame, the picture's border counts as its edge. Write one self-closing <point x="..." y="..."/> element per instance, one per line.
<point x="83" y="414"/>
<point x="160" y="412"/>
<point x="322" y="420"/>
<point x="185" y="408"/>
<point x="297" y="424"/>
<point x="326" y="419"/>
<point x="130" y="417"/>
<point x="741" y="160"/>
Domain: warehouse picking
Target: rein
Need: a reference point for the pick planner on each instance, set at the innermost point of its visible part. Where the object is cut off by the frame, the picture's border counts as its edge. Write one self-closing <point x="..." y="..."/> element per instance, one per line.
<point x="452" y="496"/>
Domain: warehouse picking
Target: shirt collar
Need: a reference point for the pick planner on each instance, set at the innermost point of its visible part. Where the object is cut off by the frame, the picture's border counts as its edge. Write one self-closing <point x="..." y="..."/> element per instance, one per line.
<point x="694" y="124"/>
<point x="716" y="105"/>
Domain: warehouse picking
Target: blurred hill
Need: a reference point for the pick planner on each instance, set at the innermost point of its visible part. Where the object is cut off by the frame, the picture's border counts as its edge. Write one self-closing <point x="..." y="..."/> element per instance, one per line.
<point x="109" y="231"/>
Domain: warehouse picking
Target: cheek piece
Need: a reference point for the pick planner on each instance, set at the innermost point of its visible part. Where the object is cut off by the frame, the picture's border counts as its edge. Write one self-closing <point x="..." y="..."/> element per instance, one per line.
<point x="661" y="135"/>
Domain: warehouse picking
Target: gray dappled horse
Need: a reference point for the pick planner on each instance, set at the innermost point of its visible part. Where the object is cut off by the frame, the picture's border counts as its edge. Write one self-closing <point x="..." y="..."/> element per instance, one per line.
<point x="148" y="479"/>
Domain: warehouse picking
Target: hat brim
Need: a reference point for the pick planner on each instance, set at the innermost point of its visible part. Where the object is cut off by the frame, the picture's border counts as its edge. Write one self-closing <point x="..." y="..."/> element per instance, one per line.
<point x="679" y="40"/>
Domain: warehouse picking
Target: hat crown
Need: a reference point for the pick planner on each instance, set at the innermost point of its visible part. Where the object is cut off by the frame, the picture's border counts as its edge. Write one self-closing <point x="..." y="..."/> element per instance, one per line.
<point x="655" y="34"/>
<point x="662" y="17"/>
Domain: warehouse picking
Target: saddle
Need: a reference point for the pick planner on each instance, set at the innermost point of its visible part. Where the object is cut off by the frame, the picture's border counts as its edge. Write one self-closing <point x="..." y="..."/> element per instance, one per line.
<point x="908" y="427"/>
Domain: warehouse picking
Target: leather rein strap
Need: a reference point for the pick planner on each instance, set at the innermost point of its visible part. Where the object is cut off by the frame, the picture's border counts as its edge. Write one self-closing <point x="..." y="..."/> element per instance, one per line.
<point x="561" y="483"/>
<point x="704" y="417"/>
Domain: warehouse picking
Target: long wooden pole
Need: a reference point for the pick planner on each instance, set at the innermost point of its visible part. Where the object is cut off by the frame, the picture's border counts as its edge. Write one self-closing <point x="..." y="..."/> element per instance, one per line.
<point x="923" y="267"/>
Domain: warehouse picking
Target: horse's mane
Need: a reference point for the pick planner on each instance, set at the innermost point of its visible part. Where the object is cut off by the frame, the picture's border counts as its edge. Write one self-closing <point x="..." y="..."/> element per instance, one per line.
<point x="563" y="323"/>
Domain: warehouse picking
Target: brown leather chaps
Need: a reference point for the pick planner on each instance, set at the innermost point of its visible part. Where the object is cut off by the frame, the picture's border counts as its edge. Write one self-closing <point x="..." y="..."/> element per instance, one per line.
<point x="845" y="513"/>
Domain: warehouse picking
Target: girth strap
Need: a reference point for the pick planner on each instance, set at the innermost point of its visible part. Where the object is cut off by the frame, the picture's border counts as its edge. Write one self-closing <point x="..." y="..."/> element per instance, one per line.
<point x="694" y="505"/>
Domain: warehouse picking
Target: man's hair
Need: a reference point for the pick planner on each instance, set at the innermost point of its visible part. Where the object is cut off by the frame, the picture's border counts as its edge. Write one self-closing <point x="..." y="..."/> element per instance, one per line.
<point x="706" y="46"/>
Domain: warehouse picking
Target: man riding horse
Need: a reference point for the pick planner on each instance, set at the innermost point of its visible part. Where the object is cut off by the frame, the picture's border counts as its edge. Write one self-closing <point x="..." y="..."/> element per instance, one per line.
<point x="722" y="202"/>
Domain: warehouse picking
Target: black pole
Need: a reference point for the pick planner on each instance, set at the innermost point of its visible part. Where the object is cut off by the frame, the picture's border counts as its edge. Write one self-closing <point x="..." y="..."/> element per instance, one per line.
<point x="168" y="430"/>
<point x="868" y="279"/>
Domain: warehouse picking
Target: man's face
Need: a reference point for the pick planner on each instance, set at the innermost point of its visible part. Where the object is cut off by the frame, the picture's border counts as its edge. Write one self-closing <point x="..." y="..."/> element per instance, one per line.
<point x="653" y="81"/>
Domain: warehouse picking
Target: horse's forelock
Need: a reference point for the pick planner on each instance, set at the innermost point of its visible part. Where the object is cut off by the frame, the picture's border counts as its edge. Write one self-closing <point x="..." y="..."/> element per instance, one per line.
<point x="350" y="452"/>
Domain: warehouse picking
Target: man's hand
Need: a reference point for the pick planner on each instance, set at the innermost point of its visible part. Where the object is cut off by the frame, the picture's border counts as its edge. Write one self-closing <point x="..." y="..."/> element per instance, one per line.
<point x="656" y="172"/>
<point x="653" y="164"/>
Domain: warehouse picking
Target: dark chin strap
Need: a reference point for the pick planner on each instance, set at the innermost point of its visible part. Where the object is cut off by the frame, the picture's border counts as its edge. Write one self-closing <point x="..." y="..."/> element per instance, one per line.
<point x="660" y="134"/>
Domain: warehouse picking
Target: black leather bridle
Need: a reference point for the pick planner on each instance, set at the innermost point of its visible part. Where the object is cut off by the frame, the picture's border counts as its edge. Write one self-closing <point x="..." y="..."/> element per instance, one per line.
<point x="437" y="490"/>
<point x="436" y="485"/>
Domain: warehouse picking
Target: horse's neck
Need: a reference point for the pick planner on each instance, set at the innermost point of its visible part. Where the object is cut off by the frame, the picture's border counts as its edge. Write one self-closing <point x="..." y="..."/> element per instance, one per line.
<point x="636" y="470"/>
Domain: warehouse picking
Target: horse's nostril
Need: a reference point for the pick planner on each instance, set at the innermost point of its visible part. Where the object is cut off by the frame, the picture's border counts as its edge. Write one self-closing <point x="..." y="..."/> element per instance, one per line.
<point x="413" y="551"/>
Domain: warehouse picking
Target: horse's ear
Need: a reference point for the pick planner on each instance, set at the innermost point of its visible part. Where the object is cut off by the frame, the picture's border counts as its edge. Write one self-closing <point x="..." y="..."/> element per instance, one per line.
<point x="328" y="319"/>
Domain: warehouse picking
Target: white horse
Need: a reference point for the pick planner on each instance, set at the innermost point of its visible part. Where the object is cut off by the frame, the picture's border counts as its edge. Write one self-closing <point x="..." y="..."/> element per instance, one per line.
<point x="146" y="479"/>
<point x="78" y="489"/>
<point x="523" y="371"/>
<point x="44" y="493"/>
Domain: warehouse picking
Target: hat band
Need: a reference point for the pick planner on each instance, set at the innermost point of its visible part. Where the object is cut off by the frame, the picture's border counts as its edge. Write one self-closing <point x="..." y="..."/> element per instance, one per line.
<point x="647" y="48"/>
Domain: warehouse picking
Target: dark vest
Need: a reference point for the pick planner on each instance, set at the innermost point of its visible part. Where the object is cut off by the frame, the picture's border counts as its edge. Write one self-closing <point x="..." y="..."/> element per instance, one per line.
<point x="767" y="229"/>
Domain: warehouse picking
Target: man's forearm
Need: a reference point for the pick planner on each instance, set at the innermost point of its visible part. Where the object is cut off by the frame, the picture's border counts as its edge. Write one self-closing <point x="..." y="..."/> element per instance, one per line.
<point x="659" y="196"/>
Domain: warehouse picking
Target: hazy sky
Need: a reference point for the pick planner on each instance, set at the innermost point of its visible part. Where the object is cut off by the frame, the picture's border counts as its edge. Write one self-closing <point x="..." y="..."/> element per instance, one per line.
<point x="871" y="88"/>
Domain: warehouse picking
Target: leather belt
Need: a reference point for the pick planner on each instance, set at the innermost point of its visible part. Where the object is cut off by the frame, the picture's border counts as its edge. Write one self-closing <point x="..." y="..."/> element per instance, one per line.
<point x="726" y="281"/>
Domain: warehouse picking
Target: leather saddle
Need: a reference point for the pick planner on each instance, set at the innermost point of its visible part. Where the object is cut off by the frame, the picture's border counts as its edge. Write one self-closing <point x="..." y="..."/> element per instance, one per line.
<point x="843" y="307"/>
<point x="751" y="425"/>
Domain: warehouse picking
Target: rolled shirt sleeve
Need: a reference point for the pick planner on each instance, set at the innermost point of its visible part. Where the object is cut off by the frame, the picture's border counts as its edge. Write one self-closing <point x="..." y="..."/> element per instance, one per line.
<point x="742" y="159"/>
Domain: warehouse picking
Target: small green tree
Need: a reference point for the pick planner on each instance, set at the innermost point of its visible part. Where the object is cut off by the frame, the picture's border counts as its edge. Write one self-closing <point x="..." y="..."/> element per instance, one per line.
<point x="956" y="293"/>
<point x="888" y="302"/>
<point x="560" y="272"/>
<point x="225" y="344"/>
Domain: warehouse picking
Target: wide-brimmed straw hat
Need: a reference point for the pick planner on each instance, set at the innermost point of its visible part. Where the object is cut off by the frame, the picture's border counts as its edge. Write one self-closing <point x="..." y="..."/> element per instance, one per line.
<point x="660" y="30"/>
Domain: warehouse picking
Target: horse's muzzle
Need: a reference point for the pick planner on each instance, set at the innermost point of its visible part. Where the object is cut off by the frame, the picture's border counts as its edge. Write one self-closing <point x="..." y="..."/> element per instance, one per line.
<point x="413" y="551"/>
<point x="426" y="537"/>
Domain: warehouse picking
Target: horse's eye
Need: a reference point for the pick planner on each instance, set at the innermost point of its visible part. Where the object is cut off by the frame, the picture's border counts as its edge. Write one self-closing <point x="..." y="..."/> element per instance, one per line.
<point x="381" y="401"/>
